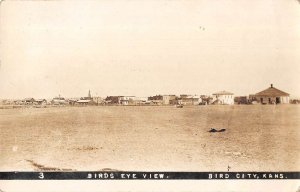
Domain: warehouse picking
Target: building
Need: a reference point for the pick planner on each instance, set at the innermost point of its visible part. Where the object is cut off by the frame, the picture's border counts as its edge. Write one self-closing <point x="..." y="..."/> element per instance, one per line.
<point x="140" y="101"/>
<point x="85" y="102"/>
<point x="119" y="100"/>
<point x="18" y="102"/>
<point x="41" y="101"/>
<point x="241" y="100"/>
<point x="271" y="95"/>
<point x="98" y="100"/>
<point x="126" y="100"/>
<point x="295" y="101"/>
<point x="157" y="99"/>
<point x="28" y="101"/>
<point x="72" y="101"/>
<point x="189" y="100"/>
<point x="205" y="100"/>
<point x="58" y="101"/>
<point x="8" y="102"/>
<point x="174" y="101"/>
<point x="223" y="98"/>
<point x="112" y="100"/>
<point x="168" y="99"/>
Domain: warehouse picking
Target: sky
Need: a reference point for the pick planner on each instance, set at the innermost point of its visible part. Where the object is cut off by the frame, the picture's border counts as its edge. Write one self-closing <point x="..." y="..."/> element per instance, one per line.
<point x="148" y="47"/>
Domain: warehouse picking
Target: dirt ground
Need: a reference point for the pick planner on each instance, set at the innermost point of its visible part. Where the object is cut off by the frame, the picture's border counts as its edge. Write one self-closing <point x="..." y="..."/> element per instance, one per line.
<point x="144" y="138"/>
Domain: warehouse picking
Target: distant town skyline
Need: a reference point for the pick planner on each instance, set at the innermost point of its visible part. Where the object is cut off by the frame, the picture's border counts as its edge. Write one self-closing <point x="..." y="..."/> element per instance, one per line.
<point x="145" y="48"/>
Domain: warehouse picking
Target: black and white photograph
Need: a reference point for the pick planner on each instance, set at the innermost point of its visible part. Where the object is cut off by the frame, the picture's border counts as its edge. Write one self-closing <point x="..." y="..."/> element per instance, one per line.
<point x="190" y="93"/>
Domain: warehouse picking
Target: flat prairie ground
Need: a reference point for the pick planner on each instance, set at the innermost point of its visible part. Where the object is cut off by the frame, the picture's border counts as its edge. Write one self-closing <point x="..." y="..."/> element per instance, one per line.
<point x="151" y="138"/>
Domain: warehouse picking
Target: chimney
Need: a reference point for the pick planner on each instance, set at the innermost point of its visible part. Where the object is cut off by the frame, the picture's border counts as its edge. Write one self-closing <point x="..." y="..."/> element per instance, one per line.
<point x="271" y="85"/>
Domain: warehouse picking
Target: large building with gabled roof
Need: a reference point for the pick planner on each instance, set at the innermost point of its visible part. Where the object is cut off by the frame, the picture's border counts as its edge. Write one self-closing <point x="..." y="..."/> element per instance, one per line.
<point x="272" y="95"/>
<point x="223" y="98"/>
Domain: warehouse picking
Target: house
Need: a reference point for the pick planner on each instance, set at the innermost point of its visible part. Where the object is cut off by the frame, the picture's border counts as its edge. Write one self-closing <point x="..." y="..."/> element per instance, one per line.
<point x="120" y="100"/>
<point x="58" y="101"/>
<point x="84" y="101"/>
<point x="112" y="100"/>
<point x="72" y="101"/>
<point x="89" y="100"/>
<point x="7" y="102"/>
<point x="167" y="99"/>
<point x="156" y="100"/>
<point x="241" y="100"/>
<point x="17" y="102"/>
<point x="197" y="100"/>
<point x="271" y="95"/>
<point x="295" y="101"/>
<point x="98" y="100"/>
<point x="140" y="101"/>
<point x="41" y="101"/>
<point x="188" y="100"/>
<point x="126" y="100"/>
<point x="174" y="100"/>
<point x="223" y="98"/>
<point x="205" y="100"/>
<point x="28" y="101"/>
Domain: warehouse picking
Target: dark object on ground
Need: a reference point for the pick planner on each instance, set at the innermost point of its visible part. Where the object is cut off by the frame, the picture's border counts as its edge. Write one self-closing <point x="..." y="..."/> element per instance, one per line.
<point x="212" y="130"/>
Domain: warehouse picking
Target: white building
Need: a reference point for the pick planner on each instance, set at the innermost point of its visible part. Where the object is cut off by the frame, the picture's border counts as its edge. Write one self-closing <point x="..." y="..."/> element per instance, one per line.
<point x="58" y="101"/>
<point x="223" y="98"/>
<point x="126" y="100"/>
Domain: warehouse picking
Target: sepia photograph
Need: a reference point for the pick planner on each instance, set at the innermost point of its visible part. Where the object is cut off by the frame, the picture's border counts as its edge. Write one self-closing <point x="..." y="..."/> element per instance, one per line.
<point x="150" y="87"/>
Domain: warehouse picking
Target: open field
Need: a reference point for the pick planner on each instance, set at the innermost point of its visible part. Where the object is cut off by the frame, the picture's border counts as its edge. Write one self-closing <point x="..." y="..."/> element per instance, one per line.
<point x="257" y="138"/>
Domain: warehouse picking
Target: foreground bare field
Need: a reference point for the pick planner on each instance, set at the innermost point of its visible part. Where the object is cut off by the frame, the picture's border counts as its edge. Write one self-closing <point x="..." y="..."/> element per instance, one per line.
<point x="257" y="138"/>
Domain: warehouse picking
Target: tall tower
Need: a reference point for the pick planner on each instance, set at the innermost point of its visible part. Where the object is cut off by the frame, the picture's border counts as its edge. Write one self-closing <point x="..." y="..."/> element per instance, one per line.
<point x="89" y="95"/>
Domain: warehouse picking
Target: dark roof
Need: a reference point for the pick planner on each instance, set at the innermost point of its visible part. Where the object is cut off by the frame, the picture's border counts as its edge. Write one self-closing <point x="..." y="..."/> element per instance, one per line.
<point x="272" y="92"/>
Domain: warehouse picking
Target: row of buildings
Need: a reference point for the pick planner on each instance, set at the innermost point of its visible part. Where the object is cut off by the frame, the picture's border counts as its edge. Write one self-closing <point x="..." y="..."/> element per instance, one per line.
<point x="270" y="95"/>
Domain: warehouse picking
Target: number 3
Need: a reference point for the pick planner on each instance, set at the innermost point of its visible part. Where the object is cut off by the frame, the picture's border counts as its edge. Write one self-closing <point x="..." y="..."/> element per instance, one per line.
<point x="41" y="176"/>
